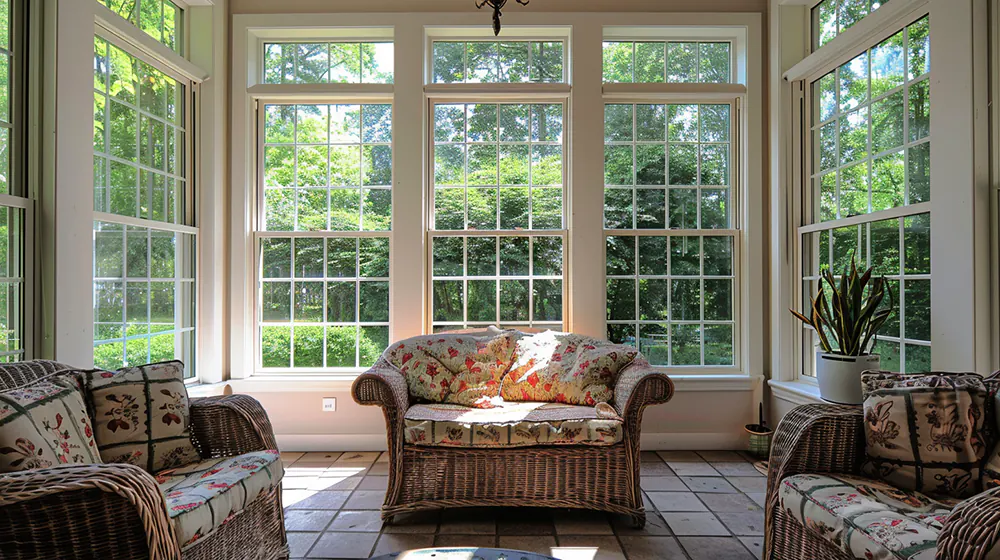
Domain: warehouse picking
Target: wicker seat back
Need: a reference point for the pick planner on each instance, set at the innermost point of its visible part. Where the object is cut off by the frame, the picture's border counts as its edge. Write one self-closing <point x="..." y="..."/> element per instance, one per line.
<point x="19" y="374"/>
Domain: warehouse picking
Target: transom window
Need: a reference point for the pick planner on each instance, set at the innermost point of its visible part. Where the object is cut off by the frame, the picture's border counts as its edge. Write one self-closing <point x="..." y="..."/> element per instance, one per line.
<point x="369" y="62"/>
<point x="492" y="62"/>
<point x="833" y="17"/>
<point x="160" y="19"/>
<point x="668" y="61"/>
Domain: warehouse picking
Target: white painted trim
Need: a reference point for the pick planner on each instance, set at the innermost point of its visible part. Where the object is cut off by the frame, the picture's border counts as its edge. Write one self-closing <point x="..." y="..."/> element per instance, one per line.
<point x="874" y="27"/>
<point x="161" y="55"/>
<point x="695" y="91"/>
<point x="795" y="392"/>
<point x="890" y="214"/>
<point x="498" y="91"/>
<point x="143" y="223"/>
<point x="306" y="92"/>
<point x="700" y="441"/>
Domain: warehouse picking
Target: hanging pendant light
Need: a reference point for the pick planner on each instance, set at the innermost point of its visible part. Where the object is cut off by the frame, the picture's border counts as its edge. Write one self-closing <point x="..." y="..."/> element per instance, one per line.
<point x="497" y="5"/>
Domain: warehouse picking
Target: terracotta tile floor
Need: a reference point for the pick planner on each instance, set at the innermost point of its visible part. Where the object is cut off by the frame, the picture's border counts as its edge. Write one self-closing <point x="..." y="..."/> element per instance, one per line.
<point x="699" y="505"/>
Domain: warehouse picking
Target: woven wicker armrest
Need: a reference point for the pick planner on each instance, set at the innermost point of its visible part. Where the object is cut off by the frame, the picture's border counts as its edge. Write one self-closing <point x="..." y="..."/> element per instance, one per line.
<point x="382" y="385"/>
<point x="231" y="425"/>
<point x="76" y="511"/>
<point x="972" y="531"/>
<point x="639" y="386"/>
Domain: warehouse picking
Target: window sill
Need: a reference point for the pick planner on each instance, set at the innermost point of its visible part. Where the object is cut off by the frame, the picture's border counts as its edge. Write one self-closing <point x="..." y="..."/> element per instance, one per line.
<point x="196" y="390"/>
<point x="796" y="392"/>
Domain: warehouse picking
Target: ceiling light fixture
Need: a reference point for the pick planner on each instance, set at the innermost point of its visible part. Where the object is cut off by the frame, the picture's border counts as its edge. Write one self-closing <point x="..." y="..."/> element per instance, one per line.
<point x="497" y="5"/>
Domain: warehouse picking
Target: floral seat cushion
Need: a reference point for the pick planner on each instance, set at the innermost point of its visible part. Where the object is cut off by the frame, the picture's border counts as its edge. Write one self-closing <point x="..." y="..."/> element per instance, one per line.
<point x="565" y="368"/>
<point x="460" y="369"/>
<point x="203" y="496"/>
<point x="512" y="425"/>
<point x="866" y="518"/>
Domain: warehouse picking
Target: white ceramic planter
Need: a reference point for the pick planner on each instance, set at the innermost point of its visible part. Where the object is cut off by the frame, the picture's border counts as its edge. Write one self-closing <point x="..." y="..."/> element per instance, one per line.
<point x="839" y="376"/>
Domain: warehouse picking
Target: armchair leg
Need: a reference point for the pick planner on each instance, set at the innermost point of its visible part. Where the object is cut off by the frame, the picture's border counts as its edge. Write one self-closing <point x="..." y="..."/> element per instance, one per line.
<point x="639" y="520"/>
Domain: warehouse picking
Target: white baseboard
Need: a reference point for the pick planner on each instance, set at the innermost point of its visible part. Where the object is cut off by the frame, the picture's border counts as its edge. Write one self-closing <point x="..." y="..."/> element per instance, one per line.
<point x="376" y="442"/>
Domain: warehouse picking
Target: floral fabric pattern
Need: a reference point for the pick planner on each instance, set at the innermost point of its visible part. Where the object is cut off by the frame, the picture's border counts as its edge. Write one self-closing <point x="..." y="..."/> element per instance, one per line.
<point x="141" y="415"/>
<point x="43" y="425"/>
<point x="459" y="369"/>
<point x="866" y="518"/>
<point x="202" y="496"/>
<point x="512" y="425"/>
<point x="926" y="432"/>
<point x="565" y="368"/>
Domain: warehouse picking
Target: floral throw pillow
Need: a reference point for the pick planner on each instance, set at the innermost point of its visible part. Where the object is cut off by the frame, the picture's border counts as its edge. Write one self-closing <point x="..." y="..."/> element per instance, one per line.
<point x="43" y="425"/>
<point x="925" y="432"/>
<point x="565" y="368"/>
<point x="454" y="368"/>
<point x="141" y="415"/>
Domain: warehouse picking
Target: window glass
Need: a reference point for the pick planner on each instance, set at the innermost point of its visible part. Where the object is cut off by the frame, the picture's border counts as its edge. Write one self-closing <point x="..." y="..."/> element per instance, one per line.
<point x="498" y="167"/>
<point x="328" y="63"/>
<point x="12" y="219"/>
<point x="324" y="296"/>
<point x="833" y="17"/>
<point x="144" y="281"/>
<point x="160" y="19"/>
<point x="668" y="62"/>
<point x="493" y="62"/>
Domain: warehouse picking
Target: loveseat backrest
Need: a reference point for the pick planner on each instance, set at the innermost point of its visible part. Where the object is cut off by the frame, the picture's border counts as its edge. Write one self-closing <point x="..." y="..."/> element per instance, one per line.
<point x="19" y="374"/>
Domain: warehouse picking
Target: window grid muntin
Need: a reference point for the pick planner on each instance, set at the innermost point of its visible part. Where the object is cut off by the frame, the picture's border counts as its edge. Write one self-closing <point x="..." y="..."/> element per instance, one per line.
<point x="839" y="113"/>
<point x="13" y="344"/>
<point x="498" y="278"/>
<point x="900" y="277"/>
<point x="388" y="79"/>
<point x="326" y="280"/>
<point x="432" y="66"/>
<point x="361" y="188"/>
<point x="183" y="281"/>
<point x="666" y="59"/>
<point x="181" y="211"/>
<point x="817" y="23"/>
<point x="185" y="339"/>
<point x="734" y="297"/>
<point x="530" y="143"/>
<point x="667" y="187"/>
<point x="176" y="44"/>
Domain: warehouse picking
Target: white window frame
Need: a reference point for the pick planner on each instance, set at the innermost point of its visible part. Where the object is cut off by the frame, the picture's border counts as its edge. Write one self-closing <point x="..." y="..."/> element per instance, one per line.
<point x="584" y="306"/>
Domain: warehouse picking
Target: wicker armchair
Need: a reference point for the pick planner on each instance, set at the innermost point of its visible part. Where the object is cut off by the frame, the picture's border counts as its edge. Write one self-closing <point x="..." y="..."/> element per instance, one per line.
<point x="830" y="439"/>
<point x="598" y="478"/>
<point x="118" y="511"/>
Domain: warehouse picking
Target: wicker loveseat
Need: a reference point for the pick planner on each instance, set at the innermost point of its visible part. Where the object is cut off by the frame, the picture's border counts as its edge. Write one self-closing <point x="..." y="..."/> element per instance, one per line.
<point x="116" y="510"/>
<point x="519" y="453"/>
<point x="817" y="444"/>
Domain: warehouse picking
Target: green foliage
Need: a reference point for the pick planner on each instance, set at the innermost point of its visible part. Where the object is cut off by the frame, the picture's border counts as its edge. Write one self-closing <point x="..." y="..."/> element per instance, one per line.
<point x="497" y="62"/>
<point x="325" y="63"/>
<point x="160" y="19"/>
<point x="670" y="62"/>
<point x="854" y="314"/>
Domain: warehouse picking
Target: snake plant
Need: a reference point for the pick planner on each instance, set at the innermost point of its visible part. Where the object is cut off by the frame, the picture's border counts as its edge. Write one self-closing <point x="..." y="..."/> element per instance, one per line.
<point x="848" y="324"/>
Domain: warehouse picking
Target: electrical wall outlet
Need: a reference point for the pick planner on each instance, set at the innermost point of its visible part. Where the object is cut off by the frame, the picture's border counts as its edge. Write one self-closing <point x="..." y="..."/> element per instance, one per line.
<point x="329" y="404"/>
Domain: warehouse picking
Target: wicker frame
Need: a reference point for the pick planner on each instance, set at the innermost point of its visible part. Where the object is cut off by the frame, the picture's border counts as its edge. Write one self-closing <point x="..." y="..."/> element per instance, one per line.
<point x="830" y="439"/>
<point x="545" y="476"/>
<point x="118" y="511"/>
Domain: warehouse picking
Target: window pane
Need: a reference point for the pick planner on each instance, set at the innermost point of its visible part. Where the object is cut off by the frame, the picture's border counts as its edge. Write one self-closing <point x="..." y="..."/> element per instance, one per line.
<point x="327" y="167"/>
<point x="671" y="62"/>
<point x="324" y="301"/>
<point x="871" y="129"/>
<point x="144" y="296"/>
<point x="679" y="288"/>
<point x="493" y="62"/>
<point x="671" y="145"/>
<point x="369" y="62"/>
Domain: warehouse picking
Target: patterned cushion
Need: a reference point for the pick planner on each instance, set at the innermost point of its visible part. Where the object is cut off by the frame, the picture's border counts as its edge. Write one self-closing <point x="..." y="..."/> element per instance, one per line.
<point x="45" y="424"/>
<point x="512" y="425"/>
<point x="866" y="518"/>
<point x="203" y="496"/>
<point x="924" y="432"/>
<point x="566" y="368"/>
<point x="991" y="469"/>
<point x="457" y="369"/>
<point x="141" y="415"/>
